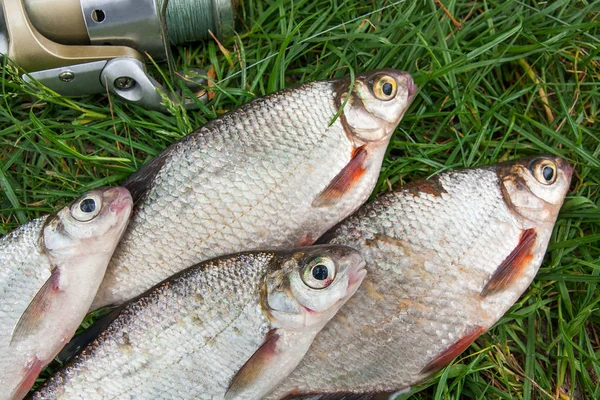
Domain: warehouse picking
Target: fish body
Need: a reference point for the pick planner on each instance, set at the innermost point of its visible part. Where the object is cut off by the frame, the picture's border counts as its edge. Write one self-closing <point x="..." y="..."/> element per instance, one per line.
<point x="446" y="258"/>
<point x="228" y="328"/>
<point x="272" y="173"/>
<point x="51" y="270"/>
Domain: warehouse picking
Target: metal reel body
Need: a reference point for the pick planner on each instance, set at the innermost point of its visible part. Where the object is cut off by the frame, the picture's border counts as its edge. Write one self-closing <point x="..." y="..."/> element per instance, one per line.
<point x="75" y="46"/>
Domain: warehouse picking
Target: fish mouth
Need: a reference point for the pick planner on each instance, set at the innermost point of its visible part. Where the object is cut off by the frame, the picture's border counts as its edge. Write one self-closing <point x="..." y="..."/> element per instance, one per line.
<point x="120" y="199"/>
<point x="411" y="87"/>
<point x="356" y="276"/>
<point x="565" y="167"/>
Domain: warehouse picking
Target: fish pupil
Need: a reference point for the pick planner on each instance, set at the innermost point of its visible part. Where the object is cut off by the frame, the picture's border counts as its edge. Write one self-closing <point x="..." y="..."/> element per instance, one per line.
<point x="320" y="272"/>
<point x="548" y="173"/>
<point x="87" y="205"/>
<point x="387" y="88"/>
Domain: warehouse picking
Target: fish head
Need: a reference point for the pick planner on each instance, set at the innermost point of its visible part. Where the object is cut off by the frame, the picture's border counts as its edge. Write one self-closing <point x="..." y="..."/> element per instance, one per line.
<point x="309" y="286"/>
<point x="535" y="188"/>
<point x="93" y="223"/>
<point x="377" y="102"/>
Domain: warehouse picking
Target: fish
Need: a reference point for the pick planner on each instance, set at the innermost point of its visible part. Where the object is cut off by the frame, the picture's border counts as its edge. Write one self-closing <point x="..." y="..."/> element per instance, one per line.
<point x="277" y="172"/>
<point x="51" y="270"/>
<point x="446" y="258"/>
<point x="227" y="328"/>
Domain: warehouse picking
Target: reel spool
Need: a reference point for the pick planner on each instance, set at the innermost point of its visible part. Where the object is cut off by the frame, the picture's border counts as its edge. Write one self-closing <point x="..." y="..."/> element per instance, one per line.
<point x="79" y="47"/>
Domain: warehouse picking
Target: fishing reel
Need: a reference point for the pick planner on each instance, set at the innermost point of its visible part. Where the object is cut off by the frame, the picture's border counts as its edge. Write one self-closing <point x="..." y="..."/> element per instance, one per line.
<point x="81" y="47"/>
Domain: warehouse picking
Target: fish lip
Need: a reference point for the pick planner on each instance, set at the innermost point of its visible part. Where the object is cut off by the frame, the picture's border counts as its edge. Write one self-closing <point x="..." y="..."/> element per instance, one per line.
<point x="356" y="276"/>
<point x="566" y="167"/>
<point x="411" y="88"/>
<point x="121" y="199"/>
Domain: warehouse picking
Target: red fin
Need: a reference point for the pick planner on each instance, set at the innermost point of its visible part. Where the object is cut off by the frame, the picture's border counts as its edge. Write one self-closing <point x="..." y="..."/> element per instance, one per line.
<point x="306" y="240"/>
<point x="345" y="180"/>
<point x="36" y="310"/>
<point x="513" y="265"/>
<point x="442" y="359"/>
<point x="33" y="370"/>
<point x="253" y="368"/>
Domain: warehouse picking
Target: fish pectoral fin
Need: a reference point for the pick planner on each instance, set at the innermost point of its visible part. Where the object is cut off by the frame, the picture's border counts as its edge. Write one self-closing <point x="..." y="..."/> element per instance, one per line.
<point x="32" y="371"/>
<point x="512" y="266"/>
<point x="36" y="310"/>
<point x="255" y="367"/>
<point x="345" y="180"/>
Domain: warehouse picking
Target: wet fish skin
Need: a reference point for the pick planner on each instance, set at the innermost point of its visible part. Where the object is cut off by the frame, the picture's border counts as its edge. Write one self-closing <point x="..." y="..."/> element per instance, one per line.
<point x="228" y="328"/>
<point x="446" y="258"/>
<point x="51" y="270"/>
<point x="272" y="173"/>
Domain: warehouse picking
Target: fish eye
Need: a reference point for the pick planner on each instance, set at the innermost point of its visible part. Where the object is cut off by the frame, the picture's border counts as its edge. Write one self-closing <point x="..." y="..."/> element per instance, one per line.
<point x="544" y="171"/>
<point x="87" y="205"/>
<point x="87" y="208"/>
<point x="319" y="273"/>
<point x="384" y="87"/>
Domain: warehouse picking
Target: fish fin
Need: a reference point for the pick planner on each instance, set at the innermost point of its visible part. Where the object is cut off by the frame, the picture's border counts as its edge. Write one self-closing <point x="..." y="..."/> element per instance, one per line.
<point x="306" y="240"/>
<point x="33" y="370"/>
<point x="141" y="181"/>
<point x="344" y="180"/>
<point x="513" y="264"/>
<point x="254" y="367"/>
<point x="36" y="310"/>
<point x="444" y="358"/>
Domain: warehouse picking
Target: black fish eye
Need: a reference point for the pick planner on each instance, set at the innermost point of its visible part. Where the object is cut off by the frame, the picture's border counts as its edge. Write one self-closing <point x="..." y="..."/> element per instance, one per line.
<point x="548" y="173"/>
<point x="544" y="171"/>
<point x="320" y="272"/>
<point x="383" y="87"/>
<point x="87" y="205"/>
<point x="387" y="88"/>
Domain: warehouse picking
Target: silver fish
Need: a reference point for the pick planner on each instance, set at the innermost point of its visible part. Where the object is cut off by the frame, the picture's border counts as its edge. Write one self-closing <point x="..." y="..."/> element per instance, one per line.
<point x="51" y="270"/>
<point x="446" y="258"/>
<point x="273" y="172"/>
<point x="229" y="328"/>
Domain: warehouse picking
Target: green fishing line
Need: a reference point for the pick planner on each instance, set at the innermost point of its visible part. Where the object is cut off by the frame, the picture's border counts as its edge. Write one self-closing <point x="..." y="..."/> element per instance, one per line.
<point x="190" y="20"/>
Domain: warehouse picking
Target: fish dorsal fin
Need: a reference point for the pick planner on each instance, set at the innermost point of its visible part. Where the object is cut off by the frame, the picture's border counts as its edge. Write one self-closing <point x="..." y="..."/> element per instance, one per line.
<point x="513" y="264"/>
<point x="450" y="353"/>
<point x="141" y="181"/>
<point x="254" y="368"/>
<point x="37" y="308"/>
<point x="345" y="180"/>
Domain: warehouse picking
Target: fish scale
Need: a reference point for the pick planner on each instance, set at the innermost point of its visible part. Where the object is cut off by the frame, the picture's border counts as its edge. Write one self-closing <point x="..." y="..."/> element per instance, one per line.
<point x="252" y="179"/>
<point x="430" y="249"/>
<point x="25" y="250"/>
<point x="167" y="331"/>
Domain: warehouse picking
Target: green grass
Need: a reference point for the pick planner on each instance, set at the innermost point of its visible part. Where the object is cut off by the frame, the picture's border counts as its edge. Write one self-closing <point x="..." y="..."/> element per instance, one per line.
<point x="508" y="79"/>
